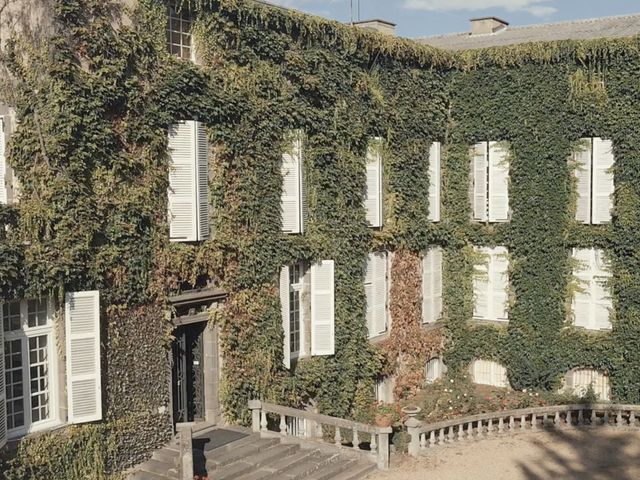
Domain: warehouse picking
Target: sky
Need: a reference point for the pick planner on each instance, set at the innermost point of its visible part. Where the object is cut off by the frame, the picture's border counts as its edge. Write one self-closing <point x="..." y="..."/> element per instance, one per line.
<point x="419" y="18"/>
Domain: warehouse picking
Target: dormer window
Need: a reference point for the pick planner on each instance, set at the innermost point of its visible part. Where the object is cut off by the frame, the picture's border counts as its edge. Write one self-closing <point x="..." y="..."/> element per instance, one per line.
<point x="179" y="38"/>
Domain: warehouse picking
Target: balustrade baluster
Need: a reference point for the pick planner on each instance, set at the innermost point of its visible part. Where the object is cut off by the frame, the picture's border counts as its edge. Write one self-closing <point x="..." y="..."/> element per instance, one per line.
<point x="545" y="420"/>
<point x="580" y="417"/>
<point x="606" y="418"/>
<point x="619" y="419"/>
<point x="534" y="421"/>
<point x="432" y="439"/>
<point x="512" y="423"/>
<point x="568" y="418"/>
<point x="338" y="437"/>
<point x="356" y="439"/>
<point x="523" y="422"/>
<point x="263" y="421"/>
<point x="594" y="417"/>
<point x="441" y="439"/>
<point x="556" y="420"/>
<point x="632" y="419"/>
<point x="501" y="425"/>
<point x="470" y="430"/>
<point x="374" y="443"/>
<point x="490" y="427"/>
<point x="423" y="441"/>
<point x="283" y="425"/>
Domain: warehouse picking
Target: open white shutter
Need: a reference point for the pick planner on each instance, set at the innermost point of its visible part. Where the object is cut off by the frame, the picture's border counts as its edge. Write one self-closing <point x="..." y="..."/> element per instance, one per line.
<point x="582" y="159"/>
<point x="498" y="183"/>
<point x="479" y="167"/>
<point x="582" y="305"/>
<point x="3" y="162"/>
<point x="432" y="285"/>
<point x="499" y="279"/>
<point x="3" y="393"/>
<point x="602" y="180"/>
<point x="304" y="200"/>
<point x="373" y="194"/>
<point x="202" y="181"/>
<point x="82" y="332"/>
<point x="322" y="309"/>
<point x="291" y="190"/>
<point x="182" y="183"/>
<point x="286" y="326"/>
<point x="369" y="291"/>
<point x="434" y="182"/>
<point x="482" y="292"/>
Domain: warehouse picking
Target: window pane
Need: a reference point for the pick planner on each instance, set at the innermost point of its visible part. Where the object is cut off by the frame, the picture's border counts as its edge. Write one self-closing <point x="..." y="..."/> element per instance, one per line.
<point x="11" y="316"/>
<point x="37" y="313"/>
<point x="14" y="383"/>
<point x="39" y="371"/>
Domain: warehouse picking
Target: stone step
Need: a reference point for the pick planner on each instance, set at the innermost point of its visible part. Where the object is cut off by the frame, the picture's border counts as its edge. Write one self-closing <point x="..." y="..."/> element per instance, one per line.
<point x="219" y="458"/>
<point x="308" y="466"/>
<point x="330" y="471"/>
<point x="273" y="471"/>
<point x="160" y="468"/>
<point x="141" y="475"/>
<point x="167" y="456"/>
<point x="360" y="471"/>
<point x="254" y="462"/>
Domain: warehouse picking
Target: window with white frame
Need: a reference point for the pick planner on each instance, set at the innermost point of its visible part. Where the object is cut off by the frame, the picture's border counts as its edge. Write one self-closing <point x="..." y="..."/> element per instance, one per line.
<point x="490" y="191"/>
<point x="179" y="36"/>
<point x="594" y="177"/>
<point x="188" y="194"/>
<point x="435" y="370"/>
<point x="432" y="285"/>
<point x="376" y="288"/>
<point x="592" y="305"/>
<point x="491" y="284"/>
<point x="374" y="194"/>
<point x="30" y="366"/>
<point x="384" y="390"/>
<point x="307" y="300"/>
<point x="487" y="372"/>
<point x="579" y="382"/>
<point x="293" y="200"/>
<point x="435" y="155"/>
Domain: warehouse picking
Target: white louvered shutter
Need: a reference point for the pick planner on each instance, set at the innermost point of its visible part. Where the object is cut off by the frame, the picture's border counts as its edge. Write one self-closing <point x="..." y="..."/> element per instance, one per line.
<point x="583" y="180"/>
<point x="304" y="198"/>
<point x="82" y="332"/>
<point x="183" y="218"/>
<point x="499" y="279"/>
<point x="498" y="183"/>
<point x="373" y="195"/>
<point x="432" y="285"/>
<point x="602" y="180"/>
<point x="286" y="326"/>
<point x="322" y="309"/>
<point x="3" y="393"/>
<point x="601" y="292"/>
<point x="479" y="167"/>
<point x="202" y="181"/>
<point x="434" y="181"/>
<point x="291" y="190"/>
<point x="376" y="291"/>
<point x="3" y="163"/>
<point x="481" y="286"/>
<point x="582" y="307"/>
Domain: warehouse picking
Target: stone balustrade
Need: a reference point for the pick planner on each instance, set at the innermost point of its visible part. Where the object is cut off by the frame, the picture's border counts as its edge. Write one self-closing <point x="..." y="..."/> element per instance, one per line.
<point x="290" y="422"/>
<point x="429" y="435"/>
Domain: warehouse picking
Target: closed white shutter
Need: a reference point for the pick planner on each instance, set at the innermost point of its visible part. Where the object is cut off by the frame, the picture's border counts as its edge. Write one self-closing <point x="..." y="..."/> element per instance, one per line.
<point x="373" y="195"/>
<point x="479" y="167"/>
<point x="3" y="163"/>
<point x="582" y="159"/>
<point x="498" y="183"/>
<point x="602" y="180"/>
<point x="601" y="292"/>
<point x="435" y="369"/>
<point x="432" y="285"/>
<point x="183" y="215"/>
<point x="322" y="309"/>
<point x="487" y="372"/>
<point x="202" y="182"/>
<point x="376" y="292"/>
<point x="291" y="190"/>
<point x="592" y="304"/>
<point x="482" y="292"/>
<point x="82" y="332"/>
<point x="304" y="199"/>
<point x="3" y="393"/>
<point x="499" y="278"/>
<point x="434" y="181"/>
<point x="286" y="326"/>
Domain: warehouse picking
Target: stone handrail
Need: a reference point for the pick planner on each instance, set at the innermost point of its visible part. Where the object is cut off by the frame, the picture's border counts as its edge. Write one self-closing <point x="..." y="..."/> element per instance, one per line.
<point x="185" y="459"/>
<point x="428" y="435"/>
<point x="308" y="425"/>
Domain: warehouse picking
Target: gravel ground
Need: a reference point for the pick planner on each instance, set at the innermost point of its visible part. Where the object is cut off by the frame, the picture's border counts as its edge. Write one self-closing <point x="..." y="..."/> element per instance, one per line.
<point x="601" y="453"/>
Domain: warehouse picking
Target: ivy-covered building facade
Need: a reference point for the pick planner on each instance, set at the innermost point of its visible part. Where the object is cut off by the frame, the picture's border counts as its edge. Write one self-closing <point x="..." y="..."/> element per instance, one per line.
<point x="210" y="201"/>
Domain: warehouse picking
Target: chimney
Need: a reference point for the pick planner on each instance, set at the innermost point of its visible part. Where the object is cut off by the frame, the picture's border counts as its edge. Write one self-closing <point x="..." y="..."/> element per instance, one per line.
<point x="487" y="25"/>
<point x="377" y="25"/>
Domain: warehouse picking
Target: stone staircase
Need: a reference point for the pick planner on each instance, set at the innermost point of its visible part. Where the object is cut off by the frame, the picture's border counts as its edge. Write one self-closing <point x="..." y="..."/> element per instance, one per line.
<point x="248" y="456"/>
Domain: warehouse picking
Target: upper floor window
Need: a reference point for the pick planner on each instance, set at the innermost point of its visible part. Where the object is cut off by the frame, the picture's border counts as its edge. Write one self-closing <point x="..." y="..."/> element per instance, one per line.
<point x="435" y="181"/>
<point x="491" y="284"/>
<point x="188" y="182"/>
<point x="490" y="192"/>
<point x="179" y="37"/>
<point x="592" y="303"/>
<point x="374" y="193"/>
<point x="293" y="200"/>
<point x="594" y="177"/>
<point x="432" y="285"/>
<point x="376" y="288"/>
<point x="308" y="310"/>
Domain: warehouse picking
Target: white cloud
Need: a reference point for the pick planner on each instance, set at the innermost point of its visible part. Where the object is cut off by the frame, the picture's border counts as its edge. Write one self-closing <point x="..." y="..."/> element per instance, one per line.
<point x="531" y="6"/>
